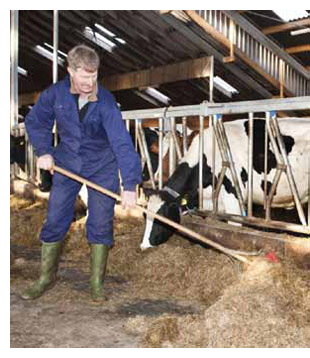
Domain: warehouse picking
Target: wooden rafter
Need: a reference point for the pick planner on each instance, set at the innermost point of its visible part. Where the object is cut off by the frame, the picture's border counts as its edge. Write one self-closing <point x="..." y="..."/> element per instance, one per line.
<point x="286" y="27"/>
<point x="181" y="71"/>
<point x="297" y="49"/>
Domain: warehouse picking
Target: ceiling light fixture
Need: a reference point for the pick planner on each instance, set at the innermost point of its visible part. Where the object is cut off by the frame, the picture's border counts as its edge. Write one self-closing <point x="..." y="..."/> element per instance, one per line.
<point x="103" y="29"/>
<point x="225" y="87"/>
<point x="22" y="71"/>
<point x="300" y="31"/>
<point x="52" y="48"/>
<point x="98" y="39"/>
<point x="109" y="33"/>
<point x="157" y="95"/>
<point x="123" y="42"/>
<point x="47" y="54"/>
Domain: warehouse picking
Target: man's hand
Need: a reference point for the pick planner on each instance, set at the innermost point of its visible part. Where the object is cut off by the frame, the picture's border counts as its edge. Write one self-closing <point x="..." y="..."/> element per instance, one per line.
<point x="129" y="199"/>
<point x="46" y="162"/>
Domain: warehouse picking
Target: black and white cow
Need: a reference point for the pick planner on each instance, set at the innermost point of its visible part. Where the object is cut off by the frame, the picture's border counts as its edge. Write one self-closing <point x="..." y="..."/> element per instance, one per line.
<point x="184" y="180"/>
<point x="18" y="156"/>
<point x="17" y="151"/>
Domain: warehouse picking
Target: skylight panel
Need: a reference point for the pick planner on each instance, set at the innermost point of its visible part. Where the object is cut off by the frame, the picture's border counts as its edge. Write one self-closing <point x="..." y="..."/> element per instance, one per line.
<point x="300" y="31"/>
<point x="110" y="34"/>
<point x="47" y="54"/>
<point x="103" y="29"/>
<point x="146" y="97"/>
<point x="99" y="39"/>
<point x="289" y="15"/>
<point x="22" y="71"/>
<point x="157" y="95"/>
<point x="52" y="48"/>
<point x="224" y="85"/>
<point x="123" y="42"/>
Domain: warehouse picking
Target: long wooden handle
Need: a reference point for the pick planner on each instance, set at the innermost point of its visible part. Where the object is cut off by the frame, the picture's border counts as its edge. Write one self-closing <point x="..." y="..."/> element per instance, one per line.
<point x="154" y="215"/>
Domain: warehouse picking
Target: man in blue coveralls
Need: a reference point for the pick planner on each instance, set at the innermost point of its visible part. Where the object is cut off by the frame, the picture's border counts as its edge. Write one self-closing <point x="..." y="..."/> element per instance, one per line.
<point x="95" y="144"/>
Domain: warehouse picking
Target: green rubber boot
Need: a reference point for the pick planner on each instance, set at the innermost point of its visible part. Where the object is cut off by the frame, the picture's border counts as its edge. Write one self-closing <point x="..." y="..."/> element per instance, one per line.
<point x="98" y="264"/>
<point x="49" y="264"/>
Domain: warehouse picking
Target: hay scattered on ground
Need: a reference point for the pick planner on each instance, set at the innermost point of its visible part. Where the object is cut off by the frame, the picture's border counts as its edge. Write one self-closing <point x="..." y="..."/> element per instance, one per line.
<point x="268" y="307"/>
<point x="26" y="218"/>
<point x="263" y="305"/>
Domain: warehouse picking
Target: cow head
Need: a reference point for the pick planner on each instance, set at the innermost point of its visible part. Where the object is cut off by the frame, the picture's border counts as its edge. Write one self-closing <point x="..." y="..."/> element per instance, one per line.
<point x="162" y="203"/>
<point x="168" y="202"/>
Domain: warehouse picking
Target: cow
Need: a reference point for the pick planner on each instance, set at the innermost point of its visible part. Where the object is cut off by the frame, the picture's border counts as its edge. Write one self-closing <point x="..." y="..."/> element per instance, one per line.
<point x="184" y="180"/>
<point x="152" y="140"/>
<point x="17" y="151"/>
<point x="18" y="156"/>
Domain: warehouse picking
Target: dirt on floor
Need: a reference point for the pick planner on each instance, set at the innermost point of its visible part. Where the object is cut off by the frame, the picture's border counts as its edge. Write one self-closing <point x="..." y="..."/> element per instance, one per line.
<point x="179" y="294"/>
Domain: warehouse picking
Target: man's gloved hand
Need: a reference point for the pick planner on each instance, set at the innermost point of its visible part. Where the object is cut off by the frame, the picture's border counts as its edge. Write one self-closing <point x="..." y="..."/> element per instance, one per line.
<point x="129" y="199"/>
<point x="46" y="162"/>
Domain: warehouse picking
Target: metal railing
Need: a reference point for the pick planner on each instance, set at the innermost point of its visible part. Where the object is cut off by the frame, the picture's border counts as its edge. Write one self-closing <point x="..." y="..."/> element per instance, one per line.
<point x="272" y="63"/>
<point x="215" y="111"/>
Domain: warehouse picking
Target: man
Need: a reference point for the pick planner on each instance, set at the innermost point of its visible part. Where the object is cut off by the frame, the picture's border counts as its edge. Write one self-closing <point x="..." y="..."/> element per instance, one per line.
<point x="94" y="143"/>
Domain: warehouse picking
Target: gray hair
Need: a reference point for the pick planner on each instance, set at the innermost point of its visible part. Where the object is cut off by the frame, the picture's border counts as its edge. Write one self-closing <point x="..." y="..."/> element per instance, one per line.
<point x="82" y="56"/>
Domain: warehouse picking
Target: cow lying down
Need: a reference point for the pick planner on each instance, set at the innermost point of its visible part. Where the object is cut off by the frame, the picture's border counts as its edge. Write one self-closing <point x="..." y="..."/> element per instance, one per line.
<point x="184" y="180"/>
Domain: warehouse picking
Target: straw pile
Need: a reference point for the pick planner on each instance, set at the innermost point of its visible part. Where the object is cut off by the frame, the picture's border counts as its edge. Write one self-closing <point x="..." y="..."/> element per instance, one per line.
<point x="268" y="307"/>
<point x="263" y="305"/>
<point x="26" y="220"/>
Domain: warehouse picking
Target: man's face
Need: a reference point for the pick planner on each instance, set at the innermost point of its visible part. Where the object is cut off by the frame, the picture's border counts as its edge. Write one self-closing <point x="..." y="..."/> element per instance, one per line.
<point x="83" y="81"/>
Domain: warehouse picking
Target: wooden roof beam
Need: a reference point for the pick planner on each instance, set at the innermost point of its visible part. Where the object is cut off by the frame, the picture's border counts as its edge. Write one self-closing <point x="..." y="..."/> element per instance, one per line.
<point x="286" y="27"/>
<point x="182" y="71"/>
<point x="197" y="68"/>
<point x="298" y="49"/>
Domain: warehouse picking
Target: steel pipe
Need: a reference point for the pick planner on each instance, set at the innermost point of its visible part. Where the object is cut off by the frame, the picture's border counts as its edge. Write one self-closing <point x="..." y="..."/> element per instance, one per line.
<point x="200" y="154"/>
<point x="272" y="192"/>
<point x="174" y="136"/>
<point x="143" y="145"/>
<point x="55" y="45"/>
<point x="212" y="120"/>
<point x="14" y="68"/>
<point x="184" y="132"/>
<point x="160" y="153"/>
<point x="232" y="168"/>
<point x="55" y="62"/>
<point x="14" y="79"/>
<point x="289" y="172"/>
<point x="250" y="165"/>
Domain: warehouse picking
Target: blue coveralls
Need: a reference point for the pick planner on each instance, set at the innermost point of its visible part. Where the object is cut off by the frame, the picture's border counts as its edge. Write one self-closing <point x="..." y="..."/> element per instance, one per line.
<point x="94" y="148"/>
